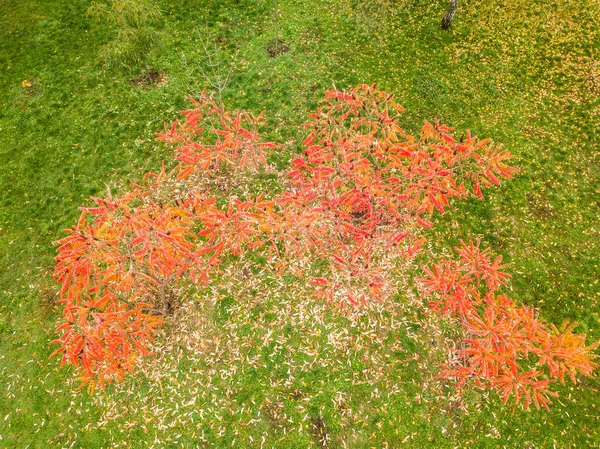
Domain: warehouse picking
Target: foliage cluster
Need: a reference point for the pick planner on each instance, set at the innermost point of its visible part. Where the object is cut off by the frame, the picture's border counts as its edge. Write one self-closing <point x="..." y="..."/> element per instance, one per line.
<point x="350" y="215"/>
<point x="507" y="348"/>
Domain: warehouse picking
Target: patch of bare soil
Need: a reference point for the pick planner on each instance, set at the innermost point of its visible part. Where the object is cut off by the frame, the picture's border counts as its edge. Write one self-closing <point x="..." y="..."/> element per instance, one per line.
<point x="149" y="78"/>
<point x="275" y="48"/>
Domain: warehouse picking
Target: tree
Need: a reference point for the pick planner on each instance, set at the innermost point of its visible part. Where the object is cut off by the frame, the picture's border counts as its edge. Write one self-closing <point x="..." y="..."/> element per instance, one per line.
<point x="365" y="189"/>
<point x="352" y="214"/>
<point x="122" y="262"/>
<point x="506" y="347"/>
<point x="373" y="15"/>
<point x="276" y="46"/>
<point x="212" y="65"/>
<point x="135" y="34"/>
<point x="450" y="12"/>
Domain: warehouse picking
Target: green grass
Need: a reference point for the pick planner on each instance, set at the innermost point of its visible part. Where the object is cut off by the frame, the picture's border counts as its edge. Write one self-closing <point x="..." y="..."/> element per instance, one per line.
<point x="525" y="73"/>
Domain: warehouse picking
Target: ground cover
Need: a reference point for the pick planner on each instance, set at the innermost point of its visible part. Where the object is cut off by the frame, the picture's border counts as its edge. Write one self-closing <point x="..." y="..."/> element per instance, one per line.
<point x="523" y="73"/>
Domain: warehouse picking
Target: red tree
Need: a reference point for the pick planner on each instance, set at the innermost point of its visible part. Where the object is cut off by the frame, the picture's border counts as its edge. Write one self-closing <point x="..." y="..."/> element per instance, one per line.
<point x="507" y="348"/>
<point x="352" y="213"/>
<point x="364" y="188"/>
<point x="120" y="264"/>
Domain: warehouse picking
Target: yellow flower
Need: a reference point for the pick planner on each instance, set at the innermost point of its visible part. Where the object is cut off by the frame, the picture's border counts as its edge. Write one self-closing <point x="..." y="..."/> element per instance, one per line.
<point x="25" y="83"/>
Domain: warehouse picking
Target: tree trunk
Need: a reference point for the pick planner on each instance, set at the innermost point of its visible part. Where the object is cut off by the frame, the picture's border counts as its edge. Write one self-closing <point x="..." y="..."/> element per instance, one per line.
<point x="447" y="20"/>
<point x="276" y="26"/>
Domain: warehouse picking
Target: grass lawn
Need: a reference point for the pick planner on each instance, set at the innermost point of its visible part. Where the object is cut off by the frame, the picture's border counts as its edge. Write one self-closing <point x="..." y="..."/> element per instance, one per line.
<point x="280" y="373"/>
